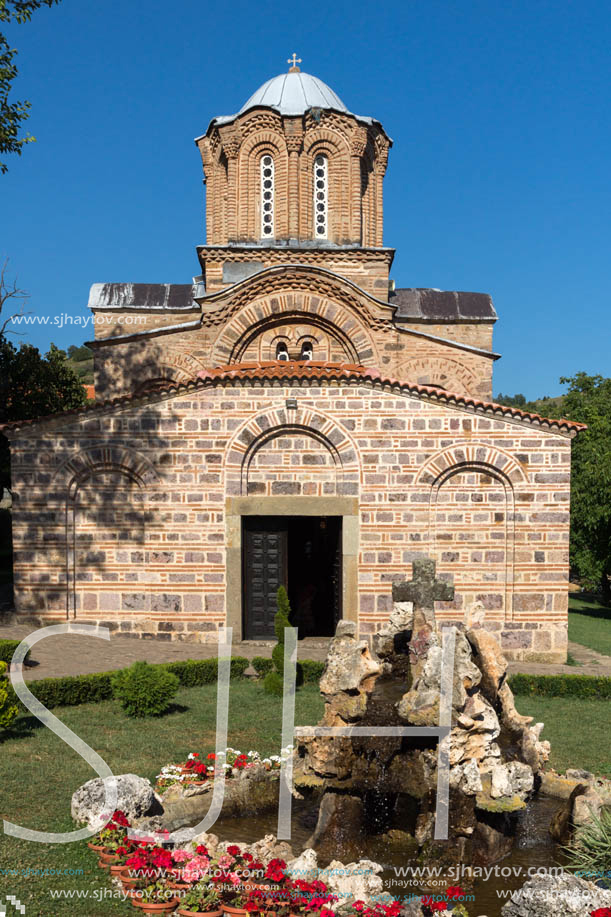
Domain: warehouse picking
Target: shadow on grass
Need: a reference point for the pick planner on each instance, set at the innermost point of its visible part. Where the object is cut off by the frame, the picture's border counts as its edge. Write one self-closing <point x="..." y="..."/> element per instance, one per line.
<point x="589" y="604"/>
<point x="23" y="727"/>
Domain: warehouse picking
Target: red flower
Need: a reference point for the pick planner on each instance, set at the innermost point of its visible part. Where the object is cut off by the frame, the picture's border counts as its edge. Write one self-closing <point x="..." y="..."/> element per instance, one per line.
<point x="120" y="818"/>
<point x="438" y="906"/>
<point x="233" y="850"/>
<point x="359" y="906"/>
<point x="601" y="912"/>
<point x="211" y="756"/>
<point x="454" y="891"/>
<point x="201" y="850"/>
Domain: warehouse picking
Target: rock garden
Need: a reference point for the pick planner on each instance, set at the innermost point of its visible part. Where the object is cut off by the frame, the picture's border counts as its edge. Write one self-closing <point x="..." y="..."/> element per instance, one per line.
<point x="521" y="841"/>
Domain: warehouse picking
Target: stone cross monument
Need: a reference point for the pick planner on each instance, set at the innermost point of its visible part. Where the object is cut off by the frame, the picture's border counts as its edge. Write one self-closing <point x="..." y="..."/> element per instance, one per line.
<point x="423" y="591"/>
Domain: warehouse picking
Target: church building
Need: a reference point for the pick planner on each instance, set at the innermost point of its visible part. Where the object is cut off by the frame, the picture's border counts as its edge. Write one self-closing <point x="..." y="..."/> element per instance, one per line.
<point x="291" y="417"/>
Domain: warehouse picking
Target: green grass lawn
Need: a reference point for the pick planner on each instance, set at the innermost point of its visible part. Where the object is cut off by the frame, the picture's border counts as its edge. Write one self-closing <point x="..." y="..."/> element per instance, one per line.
<point x="590" y="624"/>
<point x="577" y="729"/>
<point x="39" y="773"/>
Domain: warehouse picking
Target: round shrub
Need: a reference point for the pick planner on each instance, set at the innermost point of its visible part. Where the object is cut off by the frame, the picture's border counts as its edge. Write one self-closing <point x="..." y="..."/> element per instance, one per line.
<point x="143" y="689"/>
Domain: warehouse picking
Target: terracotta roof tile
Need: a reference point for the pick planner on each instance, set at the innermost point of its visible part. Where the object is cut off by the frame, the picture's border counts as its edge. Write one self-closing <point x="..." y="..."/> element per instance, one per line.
<point x="289" y="371"/>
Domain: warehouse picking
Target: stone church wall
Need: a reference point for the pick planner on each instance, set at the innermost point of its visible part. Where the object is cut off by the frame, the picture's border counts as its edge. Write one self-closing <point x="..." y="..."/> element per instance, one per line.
<point x="120" y="516"/>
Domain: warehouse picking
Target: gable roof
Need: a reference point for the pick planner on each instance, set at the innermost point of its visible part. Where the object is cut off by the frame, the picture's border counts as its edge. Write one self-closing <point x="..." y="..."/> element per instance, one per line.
<point x="297" y="372"/>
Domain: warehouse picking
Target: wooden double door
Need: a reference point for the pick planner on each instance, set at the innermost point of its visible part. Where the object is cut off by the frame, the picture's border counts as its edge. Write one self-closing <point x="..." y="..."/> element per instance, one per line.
<point x="301" y="553"/>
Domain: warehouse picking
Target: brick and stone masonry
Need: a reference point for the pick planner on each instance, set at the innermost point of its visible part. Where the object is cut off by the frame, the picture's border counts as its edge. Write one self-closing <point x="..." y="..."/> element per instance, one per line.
<point x="121" y="513"/>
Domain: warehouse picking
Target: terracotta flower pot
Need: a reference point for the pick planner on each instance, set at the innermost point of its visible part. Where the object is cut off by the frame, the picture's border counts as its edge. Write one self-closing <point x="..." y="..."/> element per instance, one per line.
<point x="163" y="907"/>
<point x="103" y="865"/>
<point x="235" y="911"/>
<point x="117" y="868"/>
<point x="127" y="880"/>
<point x="186" y="913"/>
<point x="176" y="884"/>
<point x="99" y="848"/>
<point x="109" y="857"/>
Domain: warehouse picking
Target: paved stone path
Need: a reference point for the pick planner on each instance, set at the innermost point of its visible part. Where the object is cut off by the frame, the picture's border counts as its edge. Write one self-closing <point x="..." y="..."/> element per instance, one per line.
<point x="70" y="654"/>
<point x="73" y="655"/>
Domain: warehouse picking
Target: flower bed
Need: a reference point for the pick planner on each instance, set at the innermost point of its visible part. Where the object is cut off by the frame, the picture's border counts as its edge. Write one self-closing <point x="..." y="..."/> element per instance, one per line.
<point x="201" y="769"/>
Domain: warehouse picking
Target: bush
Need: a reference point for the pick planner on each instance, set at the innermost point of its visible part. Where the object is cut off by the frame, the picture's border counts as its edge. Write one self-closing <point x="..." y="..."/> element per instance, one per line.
<point x="584" y="687"/>
<point x="311" y="671"/>
<point x="8" y="706"/>
<point x="274" y="680"/>
<point x="7" y="648"/>
<point x="143" y="689"/>
<point x="261" y="665"/>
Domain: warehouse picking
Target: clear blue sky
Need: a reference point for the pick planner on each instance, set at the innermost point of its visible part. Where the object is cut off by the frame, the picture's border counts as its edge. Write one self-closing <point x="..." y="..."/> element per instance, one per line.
<point x="499" y="179"/>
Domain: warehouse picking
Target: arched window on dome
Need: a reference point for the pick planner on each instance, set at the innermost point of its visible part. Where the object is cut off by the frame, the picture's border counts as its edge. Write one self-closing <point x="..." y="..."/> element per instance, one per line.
<point x="321" y="194"/>
<point x="267" y="197"/>
<point x="281" y="351"/>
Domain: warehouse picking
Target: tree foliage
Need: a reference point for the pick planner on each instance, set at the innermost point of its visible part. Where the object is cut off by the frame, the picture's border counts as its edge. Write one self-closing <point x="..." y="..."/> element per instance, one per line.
<point x="13" y="114"/>
<point x="32" y="385"/>
<point x="588" y="400"/>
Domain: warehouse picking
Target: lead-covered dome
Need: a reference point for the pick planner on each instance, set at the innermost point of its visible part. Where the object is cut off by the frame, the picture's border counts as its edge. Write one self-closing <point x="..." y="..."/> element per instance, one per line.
<point x="294" y="93"/>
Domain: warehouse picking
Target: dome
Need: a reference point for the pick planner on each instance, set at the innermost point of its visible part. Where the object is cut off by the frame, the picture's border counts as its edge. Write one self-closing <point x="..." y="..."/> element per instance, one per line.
<point x="294" y="93"/>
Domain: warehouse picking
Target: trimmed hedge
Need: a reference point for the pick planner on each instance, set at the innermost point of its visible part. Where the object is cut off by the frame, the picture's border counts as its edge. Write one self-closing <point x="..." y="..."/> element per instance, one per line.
<point x="584" y="687"/>
<point x="7" y="648"/>
<point x="309" y="671"/>
<point x="73" y="690"/>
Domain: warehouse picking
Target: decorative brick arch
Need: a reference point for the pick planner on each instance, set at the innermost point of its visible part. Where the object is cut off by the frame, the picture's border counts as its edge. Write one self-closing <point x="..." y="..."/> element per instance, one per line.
<point x="455" y="457"/>
<point x="172" y="367"/>
<point x="448" y="374"/>
<point x="76" y="473"/>
<point x="497" y="470"/>
<point x="305" y="308"/>
<point x="259" y="431"/>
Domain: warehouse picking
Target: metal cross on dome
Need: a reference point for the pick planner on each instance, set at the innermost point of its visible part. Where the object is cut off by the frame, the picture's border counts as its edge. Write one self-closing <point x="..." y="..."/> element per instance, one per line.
<point x="293" y="62"/>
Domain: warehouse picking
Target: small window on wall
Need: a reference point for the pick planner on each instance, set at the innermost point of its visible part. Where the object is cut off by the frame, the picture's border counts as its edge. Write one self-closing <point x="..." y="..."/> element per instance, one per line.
<point x="267" y="197"/>
<point x="281" y="351"/>
<point x="306" y="351"/>
<point x="321" y="192"/>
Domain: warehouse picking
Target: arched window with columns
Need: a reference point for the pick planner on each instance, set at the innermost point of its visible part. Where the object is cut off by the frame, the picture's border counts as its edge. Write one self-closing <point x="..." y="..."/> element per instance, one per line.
<point x="321" y="196"/>
<point x="267" y="196"/>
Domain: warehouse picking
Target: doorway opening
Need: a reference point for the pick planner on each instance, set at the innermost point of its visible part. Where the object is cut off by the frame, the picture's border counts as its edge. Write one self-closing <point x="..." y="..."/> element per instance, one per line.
<point x="301" y="553"/>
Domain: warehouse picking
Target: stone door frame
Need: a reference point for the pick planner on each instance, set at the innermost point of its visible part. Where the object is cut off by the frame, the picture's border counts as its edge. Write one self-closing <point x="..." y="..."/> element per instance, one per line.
<point x="237" y="507"/>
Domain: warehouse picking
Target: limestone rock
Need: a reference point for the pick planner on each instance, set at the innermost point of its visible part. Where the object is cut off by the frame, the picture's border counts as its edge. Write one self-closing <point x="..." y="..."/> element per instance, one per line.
<point x="266" y="849"/>
<point x="534" y="751"/>
<point x="585" y="807"/>
<point x="490" y="661"/>
<point x="136" y="798"/>
<point x="349" y="665"/>
<point x="359" y="881"/>
<point x="400" y="622"/>
<point x="305" y="866"/>
<point x="521" y="778"/>
<point x="471" y="782"/>
<point x="564" y="895"/>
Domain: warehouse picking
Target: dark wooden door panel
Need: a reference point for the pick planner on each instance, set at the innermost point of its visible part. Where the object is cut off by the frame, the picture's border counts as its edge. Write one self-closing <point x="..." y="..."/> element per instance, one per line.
<point x="265" y="566"/>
